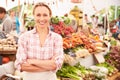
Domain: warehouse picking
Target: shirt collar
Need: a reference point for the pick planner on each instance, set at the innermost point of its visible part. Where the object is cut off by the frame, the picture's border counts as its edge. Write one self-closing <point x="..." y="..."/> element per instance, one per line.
<point x="34" y="31"/>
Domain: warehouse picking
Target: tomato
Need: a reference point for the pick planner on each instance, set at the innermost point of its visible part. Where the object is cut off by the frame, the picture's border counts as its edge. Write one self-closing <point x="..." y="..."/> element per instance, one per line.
<point x="5" y="59"/>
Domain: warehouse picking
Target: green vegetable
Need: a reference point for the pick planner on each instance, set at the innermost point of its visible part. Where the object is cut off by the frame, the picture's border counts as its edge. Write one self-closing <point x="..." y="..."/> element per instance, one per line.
<point x="110" y="68"/>
<point x="74" y="77"/>
<point x="113" y="42"/>
<point x="68" y="71"/>
<point x="55" y="20"/>
<point x="67" y="21"/>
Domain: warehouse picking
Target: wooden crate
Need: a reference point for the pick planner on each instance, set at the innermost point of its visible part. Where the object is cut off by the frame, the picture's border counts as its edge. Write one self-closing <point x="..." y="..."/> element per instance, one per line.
<point x="61" y="78"/>
<point x="115" y="76"/>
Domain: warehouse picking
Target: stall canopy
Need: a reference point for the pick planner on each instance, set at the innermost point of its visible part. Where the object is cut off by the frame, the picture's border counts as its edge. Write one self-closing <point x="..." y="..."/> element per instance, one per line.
<point x="90" y="6"/>
<point x="8" y="4"/>
<point x="59" y="7"/>
<point x="93" y="6"/>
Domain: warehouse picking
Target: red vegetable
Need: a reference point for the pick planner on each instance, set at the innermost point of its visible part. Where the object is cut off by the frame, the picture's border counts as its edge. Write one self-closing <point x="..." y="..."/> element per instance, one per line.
<point x="5" y="59"/>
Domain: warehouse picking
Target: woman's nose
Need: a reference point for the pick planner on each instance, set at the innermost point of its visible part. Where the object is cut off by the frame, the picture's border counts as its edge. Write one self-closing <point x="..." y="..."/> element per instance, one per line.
<point x="41" y="18"/>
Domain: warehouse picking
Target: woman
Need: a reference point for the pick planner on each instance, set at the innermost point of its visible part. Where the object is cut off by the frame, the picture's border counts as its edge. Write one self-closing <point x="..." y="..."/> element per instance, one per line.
<point x="40" y="51"/>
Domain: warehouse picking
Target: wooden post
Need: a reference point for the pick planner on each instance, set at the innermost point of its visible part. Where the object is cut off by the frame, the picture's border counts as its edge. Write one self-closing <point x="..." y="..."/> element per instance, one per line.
<point x="18" y="5"/>
<point x="6" y="3"/>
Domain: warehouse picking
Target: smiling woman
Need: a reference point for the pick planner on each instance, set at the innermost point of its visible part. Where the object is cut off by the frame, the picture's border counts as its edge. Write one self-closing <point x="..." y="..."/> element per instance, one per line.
<point x="40" y="51"/>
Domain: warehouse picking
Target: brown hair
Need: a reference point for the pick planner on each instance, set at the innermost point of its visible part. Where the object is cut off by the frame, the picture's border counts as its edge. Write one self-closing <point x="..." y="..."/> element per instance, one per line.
<point x="2" y="10"/>
<point x="42" y="4"/>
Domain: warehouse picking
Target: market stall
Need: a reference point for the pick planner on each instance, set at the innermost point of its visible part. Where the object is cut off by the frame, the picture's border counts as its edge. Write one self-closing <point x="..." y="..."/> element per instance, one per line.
<point x="89" y="55"/>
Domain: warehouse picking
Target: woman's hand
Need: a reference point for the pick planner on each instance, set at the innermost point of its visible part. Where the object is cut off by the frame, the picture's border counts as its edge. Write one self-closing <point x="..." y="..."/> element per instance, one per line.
<point x="54" y="57"/>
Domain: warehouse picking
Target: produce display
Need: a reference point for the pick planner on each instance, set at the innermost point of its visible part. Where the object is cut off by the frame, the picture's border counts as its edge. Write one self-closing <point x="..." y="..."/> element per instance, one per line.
<point x="79" y="45"/>
<point x="61" y="26"/>
<point x="76" y="40"/>
<point x="8" y="47"/>
<point x="111" y="69"/>
<point x="74" y="72"/>
<point x="113" y="57"/>
<point x="9" y="43"/>
<point x="78" y="72"/>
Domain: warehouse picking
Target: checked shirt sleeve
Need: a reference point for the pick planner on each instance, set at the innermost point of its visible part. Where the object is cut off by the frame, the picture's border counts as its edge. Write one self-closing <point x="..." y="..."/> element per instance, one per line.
<point x="21" y="52"/>
<point x="58" y="50"/>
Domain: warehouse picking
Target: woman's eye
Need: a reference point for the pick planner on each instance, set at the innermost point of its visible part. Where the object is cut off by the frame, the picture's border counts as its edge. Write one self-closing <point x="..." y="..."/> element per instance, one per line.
<point x="45" y="15"/>
<point x="38" y="15"/>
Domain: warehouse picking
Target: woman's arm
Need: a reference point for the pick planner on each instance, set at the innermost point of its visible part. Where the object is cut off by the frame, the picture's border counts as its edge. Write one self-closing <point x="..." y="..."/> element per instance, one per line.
<point x="44" y="64"/>
<point x="31" y="68"/>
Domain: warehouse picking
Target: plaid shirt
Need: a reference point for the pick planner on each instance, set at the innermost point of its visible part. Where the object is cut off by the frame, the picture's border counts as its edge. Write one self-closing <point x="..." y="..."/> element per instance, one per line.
<point x="29" y="48"/>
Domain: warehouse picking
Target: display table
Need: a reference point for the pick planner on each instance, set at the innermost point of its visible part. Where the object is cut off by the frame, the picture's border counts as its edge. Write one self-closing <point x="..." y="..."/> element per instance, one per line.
<point x="7" y="51"/>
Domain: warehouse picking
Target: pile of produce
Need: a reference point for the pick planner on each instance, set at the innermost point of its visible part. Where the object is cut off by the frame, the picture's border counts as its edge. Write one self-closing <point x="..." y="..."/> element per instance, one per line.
<point x="111" y="69"/>
<point x="76" y="40"/>
<point x="77" y="72"/>
<point x="78" y="45"/>
<point x="113" y="57"/>
<point x="56" y="20"/>
<point x="72" y="41"/>
<point x="113" y="42"/>
<point x="88" y="43"/>
<point x="61" y="26"/>
<point x="8" y="43"/>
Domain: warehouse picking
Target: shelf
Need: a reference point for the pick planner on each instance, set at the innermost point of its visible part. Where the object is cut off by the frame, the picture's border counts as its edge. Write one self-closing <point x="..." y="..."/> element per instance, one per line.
<point x="8" y="52"/>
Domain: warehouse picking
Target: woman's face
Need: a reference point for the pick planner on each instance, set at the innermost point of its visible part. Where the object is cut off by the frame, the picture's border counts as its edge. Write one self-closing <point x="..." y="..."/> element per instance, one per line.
<point x="42" y="16"/>
<point x="12" y="13"/>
